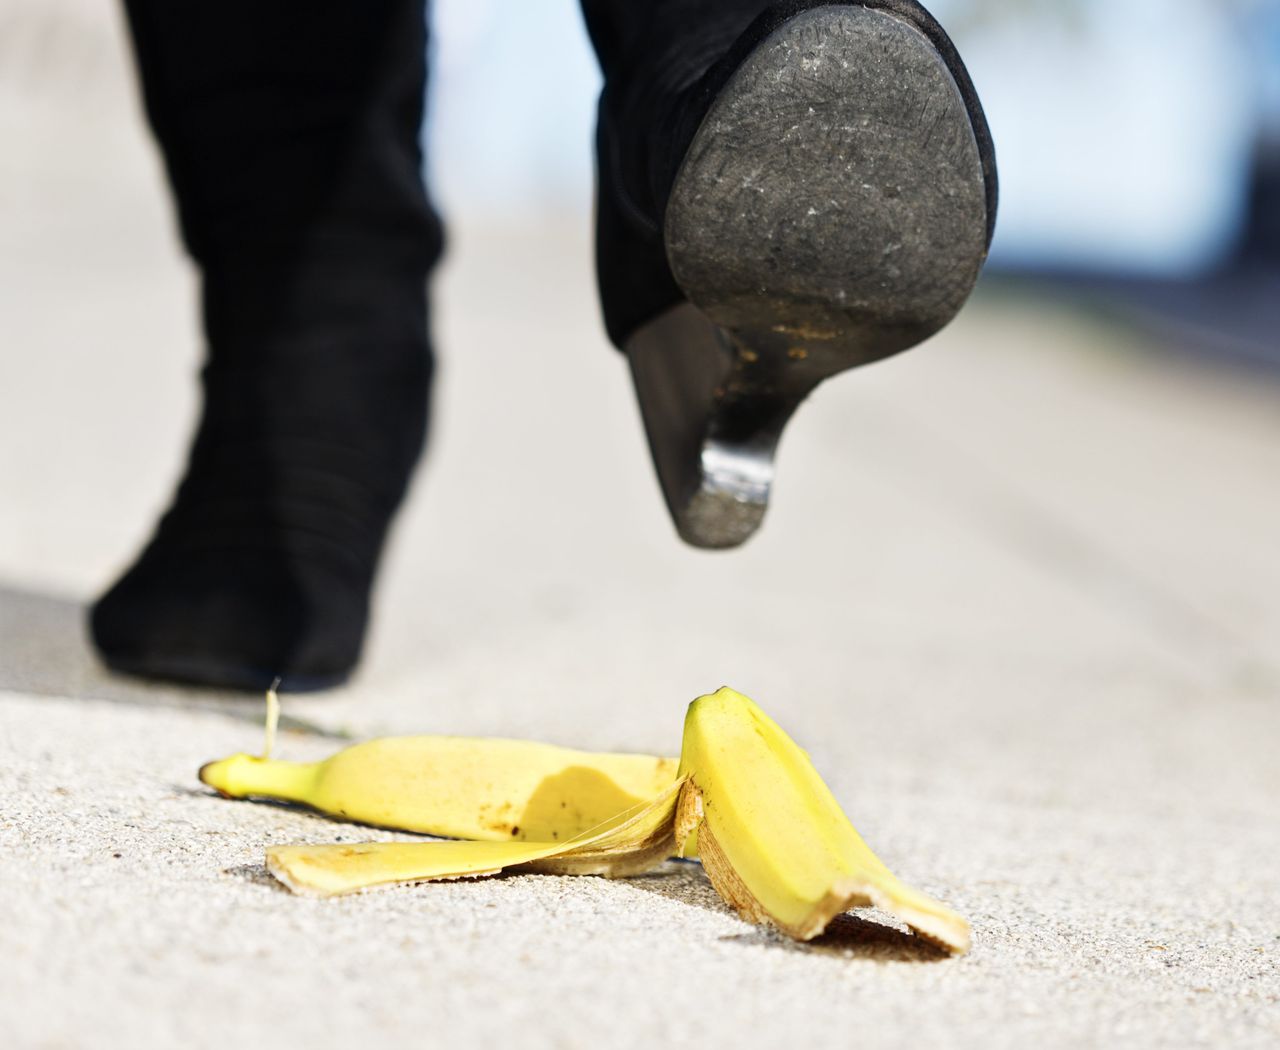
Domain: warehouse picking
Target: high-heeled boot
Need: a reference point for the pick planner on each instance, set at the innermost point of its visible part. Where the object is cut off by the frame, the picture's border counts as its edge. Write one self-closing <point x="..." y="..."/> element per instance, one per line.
<point x="785" y="191"/>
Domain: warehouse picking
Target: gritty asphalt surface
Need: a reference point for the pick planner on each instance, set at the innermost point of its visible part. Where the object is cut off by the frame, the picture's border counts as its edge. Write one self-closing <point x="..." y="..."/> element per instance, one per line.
<point x="1019" y="597"/>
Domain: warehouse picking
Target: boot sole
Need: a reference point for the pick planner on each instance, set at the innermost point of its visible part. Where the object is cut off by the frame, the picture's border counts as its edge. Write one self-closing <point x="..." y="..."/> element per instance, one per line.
<point x="830" y="212"/>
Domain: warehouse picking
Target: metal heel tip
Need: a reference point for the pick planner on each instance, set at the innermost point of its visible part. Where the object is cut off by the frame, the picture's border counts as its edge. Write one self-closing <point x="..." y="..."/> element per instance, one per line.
<point x="729" y="504"/>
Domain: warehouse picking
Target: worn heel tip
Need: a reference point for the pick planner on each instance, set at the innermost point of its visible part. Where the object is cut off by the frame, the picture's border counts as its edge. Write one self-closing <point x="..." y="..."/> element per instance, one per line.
<point x="718" y="519"/>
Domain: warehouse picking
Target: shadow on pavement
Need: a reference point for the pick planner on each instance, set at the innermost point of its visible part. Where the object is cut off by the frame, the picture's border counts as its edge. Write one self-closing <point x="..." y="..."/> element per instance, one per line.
<point x="848" y="937"/>
<point x="45" y="651"/>
<point x="257" y="875"/>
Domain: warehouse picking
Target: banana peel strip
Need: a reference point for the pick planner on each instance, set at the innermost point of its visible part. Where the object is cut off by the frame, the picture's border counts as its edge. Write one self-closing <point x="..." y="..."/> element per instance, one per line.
<point x="634" y="841"/>
<point x="926" y="917"/>
<point x="772" y="837"/>
<point x="477" y="788"/>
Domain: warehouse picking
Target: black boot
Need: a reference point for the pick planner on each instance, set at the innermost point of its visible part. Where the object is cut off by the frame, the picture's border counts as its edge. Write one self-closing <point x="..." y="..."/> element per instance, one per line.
<point x="785" y="191"/>
<point x="291" y="139"/>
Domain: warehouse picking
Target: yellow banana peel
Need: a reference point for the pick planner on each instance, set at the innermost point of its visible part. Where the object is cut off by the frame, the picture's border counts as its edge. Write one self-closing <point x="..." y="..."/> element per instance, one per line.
<point x="772" y="838"/>
<point x="629" y="843"/>
<point x="456" y="787"/>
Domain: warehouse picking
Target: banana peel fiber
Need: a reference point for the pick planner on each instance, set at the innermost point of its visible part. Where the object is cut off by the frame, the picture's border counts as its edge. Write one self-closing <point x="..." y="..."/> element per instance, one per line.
<point x="771" y="836"/>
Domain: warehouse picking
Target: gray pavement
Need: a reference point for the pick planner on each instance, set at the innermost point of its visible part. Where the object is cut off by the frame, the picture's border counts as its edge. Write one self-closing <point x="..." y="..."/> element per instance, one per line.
<point x="1019" y="596"/>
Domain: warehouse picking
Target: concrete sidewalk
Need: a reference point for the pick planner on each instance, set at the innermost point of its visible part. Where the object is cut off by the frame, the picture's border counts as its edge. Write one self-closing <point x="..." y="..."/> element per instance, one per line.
<point x="1019" y="596"/>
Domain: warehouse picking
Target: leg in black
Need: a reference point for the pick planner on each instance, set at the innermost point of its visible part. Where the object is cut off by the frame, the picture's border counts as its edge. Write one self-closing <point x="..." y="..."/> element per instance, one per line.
<point x="786" y="190"/>
<point x="291" y="138"/>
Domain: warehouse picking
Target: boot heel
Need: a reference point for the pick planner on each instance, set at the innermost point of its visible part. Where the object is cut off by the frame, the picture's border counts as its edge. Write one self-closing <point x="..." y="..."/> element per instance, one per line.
<point x="831" y="211"/>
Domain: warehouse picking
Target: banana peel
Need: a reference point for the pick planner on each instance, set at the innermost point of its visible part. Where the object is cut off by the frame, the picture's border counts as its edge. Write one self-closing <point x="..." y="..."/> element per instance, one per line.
<point x="773" y="839"/>
<point x="456" y="787"/>
<point x="771" y="836"/>
<point x="629" y="843"/>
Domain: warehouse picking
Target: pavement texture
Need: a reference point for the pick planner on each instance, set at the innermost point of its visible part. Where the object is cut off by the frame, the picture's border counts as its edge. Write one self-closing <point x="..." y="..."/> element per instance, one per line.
<point x="1019" y="596"/>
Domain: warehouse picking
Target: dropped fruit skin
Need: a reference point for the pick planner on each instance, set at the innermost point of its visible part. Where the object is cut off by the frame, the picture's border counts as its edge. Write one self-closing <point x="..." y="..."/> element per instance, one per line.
<point x="456" y="787"/>
<point x="773" y="839"/>
<point x="629" y="843"/>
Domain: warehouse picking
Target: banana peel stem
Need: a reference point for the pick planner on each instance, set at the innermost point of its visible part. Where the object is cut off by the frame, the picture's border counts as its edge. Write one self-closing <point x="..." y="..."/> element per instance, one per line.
<point x="272" y="720"/>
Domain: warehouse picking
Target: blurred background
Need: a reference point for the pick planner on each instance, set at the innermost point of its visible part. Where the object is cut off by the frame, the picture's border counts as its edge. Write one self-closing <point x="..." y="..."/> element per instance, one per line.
<point x="1105" y="412"/>
<point x="1139" y="143"/>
